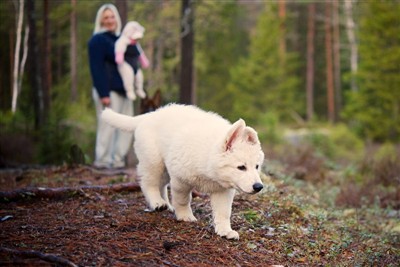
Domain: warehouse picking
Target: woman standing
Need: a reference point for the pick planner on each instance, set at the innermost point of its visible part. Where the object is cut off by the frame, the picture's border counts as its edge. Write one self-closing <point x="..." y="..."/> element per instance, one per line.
<point x="112" y="145"/>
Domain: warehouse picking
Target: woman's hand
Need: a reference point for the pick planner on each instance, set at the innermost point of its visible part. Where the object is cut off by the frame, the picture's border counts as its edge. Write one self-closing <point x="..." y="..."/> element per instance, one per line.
<point x="105" y="101"/>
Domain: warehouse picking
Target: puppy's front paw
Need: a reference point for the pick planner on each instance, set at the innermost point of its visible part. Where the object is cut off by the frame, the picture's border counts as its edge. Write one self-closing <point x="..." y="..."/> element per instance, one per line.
<point x="161" y="208"/>
<point x="228" y="233"/>
<point x="233" y="235"/>
<point x="186" y="218"/>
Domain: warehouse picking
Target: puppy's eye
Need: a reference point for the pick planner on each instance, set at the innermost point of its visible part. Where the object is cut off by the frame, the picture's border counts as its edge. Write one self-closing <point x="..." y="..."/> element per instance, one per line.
<point x="257" y="167"/>
<point x="242" y="167"/>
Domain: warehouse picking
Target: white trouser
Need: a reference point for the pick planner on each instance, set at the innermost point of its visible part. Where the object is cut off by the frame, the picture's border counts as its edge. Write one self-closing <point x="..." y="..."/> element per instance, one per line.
<point x="112" y="145"/>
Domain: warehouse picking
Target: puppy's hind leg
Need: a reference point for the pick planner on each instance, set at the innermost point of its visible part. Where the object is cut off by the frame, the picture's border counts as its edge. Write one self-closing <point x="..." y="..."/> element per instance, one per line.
<point x="154" y="186"/>
<point x="181" y="198"/>
<point x="139" y="80"/>
<point x="164" y="190"/>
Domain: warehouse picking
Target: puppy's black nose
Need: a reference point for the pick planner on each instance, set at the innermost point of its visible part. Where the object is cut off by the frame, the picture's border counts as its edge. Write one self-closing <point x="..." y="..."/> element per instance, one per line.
<point x="257" y="187"/>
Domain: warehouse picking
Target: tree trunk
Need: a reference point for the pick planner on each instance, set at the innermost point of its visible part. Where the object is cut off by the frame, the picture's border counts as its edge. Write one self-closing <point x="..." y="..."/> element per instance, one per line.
<point x="348" y="7"/>
<point x="329" y="65"/>
<point x="59" y="57"/>
<point x="310" y="61"/>
<point x="64" y="192"/>
<point x="187" y="53"/>
<point x="46" y="76"/>
<point x="24" y="57"/>
<point x="336" y="59"/>
<point x="122" y="6"/>
<point x="16" y="56"/>
<point x="34" y="67"/>
<point x="8" y="95"/>
<point x="73" y="56"/>
<point x="282" y="28"/>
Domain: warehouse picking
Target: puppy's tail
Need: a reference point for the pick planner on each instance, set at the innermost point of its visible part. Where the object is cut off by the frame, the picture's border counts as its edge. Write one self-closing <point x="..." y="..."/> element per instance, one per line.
<point x="117" y="120"/>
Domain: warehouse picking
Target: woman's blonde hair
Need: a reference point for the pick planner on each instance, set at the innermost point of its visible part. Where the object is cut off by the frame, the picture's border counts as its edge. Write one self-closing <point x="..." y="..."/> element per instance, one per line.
<point x="97" y="23"/>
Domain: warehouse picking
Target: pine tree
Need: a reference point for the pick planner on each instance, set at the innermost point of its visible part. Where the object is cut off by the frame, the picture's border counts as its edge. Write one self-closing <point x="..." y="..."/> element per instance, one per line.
<point x="218" y="48"/>
<point x="265" y="81"/>
<point x="375" y="108"/>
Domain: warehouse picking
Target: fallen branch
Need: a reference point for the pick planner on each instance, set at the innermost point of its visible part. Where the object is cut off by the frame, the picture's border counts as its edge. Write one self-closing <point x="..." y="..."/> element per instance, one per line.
<point x="108" y="172"/>
<point x="36" y="254"/>
<point x="64" y="192"/>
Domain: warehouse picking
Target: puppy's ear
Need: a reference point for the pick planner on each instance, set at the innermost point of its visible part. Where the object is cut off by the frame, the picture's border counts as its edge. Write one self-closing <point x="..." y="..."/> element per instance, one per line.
<point x="234" y="133"/>
<point x="250" y="135"/>
<point x="157" y="98"/>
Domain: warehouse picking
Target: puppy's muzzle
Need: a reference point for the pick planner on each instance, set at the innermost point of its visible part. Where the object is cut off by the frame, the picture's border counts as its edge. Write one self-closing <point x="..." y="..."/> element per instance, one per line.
<point x="257" y="187"/>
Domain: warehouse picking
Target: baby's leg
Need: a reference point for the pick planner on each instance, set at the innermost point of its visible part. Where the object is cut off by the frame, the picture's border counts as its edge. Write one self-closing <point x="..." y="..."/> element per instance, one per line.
<point x="127" y="75"/>
<point x="139" y="79"/>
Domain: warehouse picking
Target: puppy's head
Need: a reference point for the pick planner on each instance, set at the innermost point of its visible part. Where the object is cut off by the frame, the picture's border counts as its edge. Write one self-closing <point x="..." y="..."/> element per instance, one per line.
<point x="133" y="30"/>
<point x="150" y="104"/>
<point x="240" y="162"/>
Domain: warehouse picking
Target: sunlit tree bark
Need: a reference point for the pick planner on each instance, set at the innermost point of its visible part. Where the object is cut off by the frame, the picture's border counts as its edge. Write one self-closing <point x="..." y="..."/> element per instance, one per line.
<point x="350" y="28"/>
<point x="310" y="61"/>
<point x="336" y="58"/>
<point x="15" y="89"/>
<point x="329" y="64"/>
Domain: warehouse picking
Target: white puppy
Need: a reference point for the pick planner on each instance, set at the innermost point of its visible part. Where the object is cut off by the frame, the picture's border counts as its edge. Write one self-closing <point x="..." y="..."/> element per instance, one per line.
<point x="129" y="36"/>
<point x="199" y="150"/>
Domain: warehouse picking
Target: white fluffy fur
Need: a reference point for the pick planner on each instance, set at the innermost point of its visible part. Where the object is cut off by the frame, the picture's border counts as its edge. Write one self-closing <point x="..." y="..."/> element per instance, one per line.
<point x="132" y="31"/>
<point x="199" y="150"/>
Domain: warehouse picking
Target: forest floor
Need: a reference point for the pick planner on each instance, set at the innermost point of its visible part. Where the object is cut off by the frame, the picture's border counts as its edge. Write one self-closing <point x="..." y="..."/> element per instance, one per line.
<point x="286" y="224"/>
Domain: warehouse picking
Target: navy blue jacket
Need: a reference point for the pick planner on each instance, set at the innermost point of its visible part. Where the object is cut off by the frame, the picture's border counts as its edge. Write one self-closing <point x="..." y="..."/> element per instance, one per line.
<point x="105" y="75"/>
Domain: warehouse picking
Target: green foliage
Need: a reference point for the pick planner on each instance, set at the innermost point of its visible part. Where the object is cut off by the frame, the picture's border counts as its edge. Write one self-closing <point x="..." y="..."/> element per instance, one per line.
<point x="11" y="122"/>
<point x="55" y="136"/>
<point x="383" y="165"/>
<point x="348" y="146"/>
<point x="333" y="142"/>
<point x="252" y="216"/>
<point x="265" y="81"/>
<point x="386" y="152"/>
<point x="374" y="110"/>
<point x="81" y="118"/>
<point x="337" y="143"/>
<point x="269" y="131"/>
<point x="70" y="124"/>
<point x="220" y="43"/>
<point x="321" y="143"/>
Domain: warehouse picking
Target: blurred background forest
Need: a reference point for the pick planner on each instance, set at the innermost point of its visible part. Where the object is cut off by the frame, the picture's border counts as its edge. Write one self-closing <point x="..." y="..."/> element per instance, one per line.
<point x="319" y="80"/>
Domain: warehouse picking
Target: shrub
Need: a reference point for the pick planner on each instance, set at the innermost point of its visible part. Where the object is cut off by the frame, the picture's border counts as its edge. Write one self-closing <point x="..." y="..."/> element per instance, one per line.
<point x="380" y="183"/>
<point x="302" y="162"/>
<point x="269" y="131"/>
<point x="383" y="165"/>
<point x="347" y="145"/>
